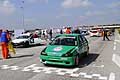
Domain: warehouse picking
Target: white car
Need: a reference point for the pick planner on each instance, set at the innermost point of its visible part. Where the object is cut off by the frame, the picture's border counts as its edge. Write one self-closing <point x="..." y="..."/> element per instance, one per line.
<point x="94" y="33"/>
<point x="25" y="40"/>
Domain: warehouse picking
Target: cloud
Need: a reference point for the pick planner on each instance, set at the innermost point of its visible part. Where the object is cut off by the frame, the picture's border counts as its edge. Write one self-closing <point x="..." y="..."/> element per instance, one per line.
<point x="62" y="15"/>
<point x="114" y="5"/>
<point x="36" y="1"/>
<point x="29" y="20"/>
<point x="82" y="17"/>
<point x="75" y="3"/>
<point x="95" y="13"/>
<point x="6" y="7"/>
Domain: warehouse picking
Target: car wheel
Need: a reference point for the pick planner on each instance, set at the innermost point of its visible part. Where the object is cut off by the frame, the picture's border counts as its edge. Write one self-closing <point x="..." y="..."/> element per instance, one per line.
<point x="27" y="44"/>
<point x="87" y="52"/>
<point x="45" y="64"/>
<point x="77" y="60"/>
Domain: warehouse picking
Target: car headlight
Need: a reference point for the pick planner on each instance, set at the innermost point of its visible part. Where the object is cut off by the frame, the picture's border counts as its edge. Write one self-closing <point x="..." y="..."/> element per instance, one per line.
<point x="68" y="54"/>
<point x="43" y="53"/>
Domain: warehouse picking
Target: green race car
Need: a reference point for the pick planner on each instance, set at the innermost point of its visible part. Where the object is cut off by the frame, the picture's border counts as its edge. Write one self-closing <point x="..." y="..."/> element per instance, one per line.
<point x="65" y="49"/>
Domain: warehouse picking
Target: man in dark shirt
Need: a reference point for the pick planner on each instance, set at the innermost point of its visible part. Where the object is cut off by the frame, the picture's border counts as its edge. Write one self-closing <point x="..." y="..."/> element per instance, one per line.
<point x="77" y="31"/>
<point x="50" y="33"/>
<point x="105" y="34"/>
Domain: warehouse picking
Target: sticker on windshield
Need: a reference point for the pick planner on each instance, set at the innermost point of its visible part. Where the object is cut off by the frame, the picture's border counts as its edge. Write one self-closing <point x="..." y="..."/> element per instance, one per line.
<point x="58" y="48"/>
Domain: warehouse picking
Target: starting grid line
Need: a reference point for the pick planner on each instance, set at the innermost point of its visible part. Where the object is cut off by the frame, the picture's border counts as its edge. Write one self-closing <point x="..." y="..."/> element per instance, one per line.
<point x="57" y="71"/>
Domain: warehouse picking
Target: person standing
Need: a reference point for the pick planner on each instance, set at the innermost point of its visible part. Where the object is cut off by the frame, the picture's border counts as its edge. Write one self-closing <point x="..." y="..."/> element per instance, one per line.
<point x="50" y="33"/>
<point x="4" y="44"/>
<point x="0" y="35"/>
<point x="68" y="31"/>
<point x="77" y="31"/>
<point x="61" y="32"/>
<point x="105" y="35"/>
<point x="0" y="38"/>
<point x="10" y="46"/>
<point x="43" y="33"/>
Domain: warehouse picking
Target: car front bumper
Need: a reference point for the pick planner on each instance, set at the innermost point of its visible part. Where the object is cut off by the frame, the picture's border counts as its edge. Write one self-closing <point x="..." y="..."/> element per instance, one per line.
<point x="66" y="61"/>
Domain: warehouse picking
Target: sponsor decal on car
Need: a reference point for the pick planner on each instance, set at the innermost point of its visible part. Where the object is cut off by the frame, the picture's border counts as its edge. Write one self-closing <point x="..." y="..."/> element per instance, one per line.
<point x="59" y="48"/>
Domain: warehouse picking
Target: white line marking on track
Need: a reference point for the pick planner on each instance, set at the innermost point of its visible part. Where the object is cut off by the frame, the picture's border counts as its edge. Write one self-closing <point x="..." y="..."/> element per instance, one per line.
<point x="103" y="78"/>
<point x="36" y="69"/>
<point x="81" y="73"/>
<point x="88" y="76"/>
<point x="112" y="76"/>
<point x="28" y="68"/>
<point x="74" y="75"/>
<point x="48" y="72"/>
<point x="115" y="42"/>
<point x="5" y="67"/>
<point x="116" y="59"/>
<point x="114" y="48"/>
<point x="57" y="71"/>
<point x="101" y="66"/>
<point x="14" y="67"/>
<point x="98" y="75"/>
<point x="61" y="73"/>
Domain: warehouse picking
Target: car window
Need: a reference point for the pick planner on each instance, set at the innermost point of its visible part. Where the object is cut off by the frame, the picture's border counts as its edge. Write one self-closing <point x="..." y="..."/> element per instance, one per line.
<point x="68" y="41"/>
<point x="93" y="31"/>
<point x="22" y="37"/>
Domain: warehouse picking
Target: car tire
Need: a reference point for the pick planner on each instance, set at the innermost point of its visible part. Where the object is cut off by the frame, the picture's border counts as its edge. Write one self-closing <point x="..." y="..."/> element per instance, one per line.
<point x="77" y="60"/>
<point x="27" y="44"/>
<point x="45" y="64"/>
<point x="87" y="52"/>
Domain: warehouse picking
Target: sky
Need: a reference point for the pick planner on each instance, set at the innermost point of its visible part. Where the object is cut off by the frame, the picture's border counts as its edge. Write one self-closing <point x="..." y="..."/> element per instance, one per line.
<point x="29" y="14"/>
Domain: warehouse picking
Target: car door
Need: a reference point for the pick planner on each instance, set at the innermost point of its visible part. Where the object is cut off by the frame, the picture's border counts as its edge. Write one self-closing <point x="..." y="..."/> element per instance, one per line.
<point x="80" y="45"/>
<point x="37" y="40"/>
<point x="85" y="43"/>
<point x="31" y="40"/>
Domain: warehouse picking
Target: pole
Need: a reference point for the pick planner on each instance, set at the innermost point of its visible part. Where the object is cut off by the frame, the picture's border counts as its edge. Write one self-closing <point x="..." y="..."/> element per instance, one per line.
<point x="22" y="7"/>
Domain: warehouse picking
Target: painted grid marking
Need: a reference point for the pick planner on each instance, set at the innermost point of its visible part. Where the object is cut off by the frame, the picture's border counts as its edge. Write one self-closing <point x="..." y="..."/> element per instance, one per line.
<point x="58" y="71"/>
<point x="116" y="59"/>
<point x="112" y="76"/>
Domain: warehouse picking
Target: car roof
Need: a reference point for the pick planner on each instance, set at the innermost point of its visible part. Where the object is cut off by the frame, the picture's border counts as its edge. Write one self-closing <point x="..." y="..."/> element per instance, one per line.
<point x="69" y="35"/>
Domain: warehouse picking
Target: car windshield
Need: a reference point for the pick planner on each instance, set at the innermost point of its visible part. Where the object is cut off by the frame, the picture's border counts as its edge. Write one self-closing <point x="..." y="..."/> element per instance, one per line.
<point x="22" y="37"/>
<point x="93" y="31"/>
<point x="67" y="41"/>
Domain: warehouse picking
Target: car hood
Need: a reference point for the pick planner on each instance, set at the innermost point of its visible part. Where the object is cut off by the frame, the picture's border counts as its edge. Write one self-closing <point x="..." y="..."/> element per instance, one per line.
<point x="55" y="50"/>
<point x="19" y="40"/>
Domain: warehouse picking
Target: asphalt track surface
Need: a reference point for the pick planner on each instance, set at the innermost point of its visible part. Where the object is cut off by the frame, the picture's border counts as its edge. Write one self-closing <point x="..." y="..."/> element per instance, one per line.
<point x="102" y="63"/>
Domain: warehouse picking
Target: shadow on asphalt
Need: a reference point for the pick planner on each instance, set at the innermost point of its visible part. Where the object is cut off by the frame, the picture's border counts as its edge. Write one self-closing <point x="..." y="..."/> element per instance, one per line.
<point x="32" y="46"/>
<point x="19" y="56"/>
<point x="1" y="58"/>
<point x="22" y="56"/>
<point x="85" y="61"/>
